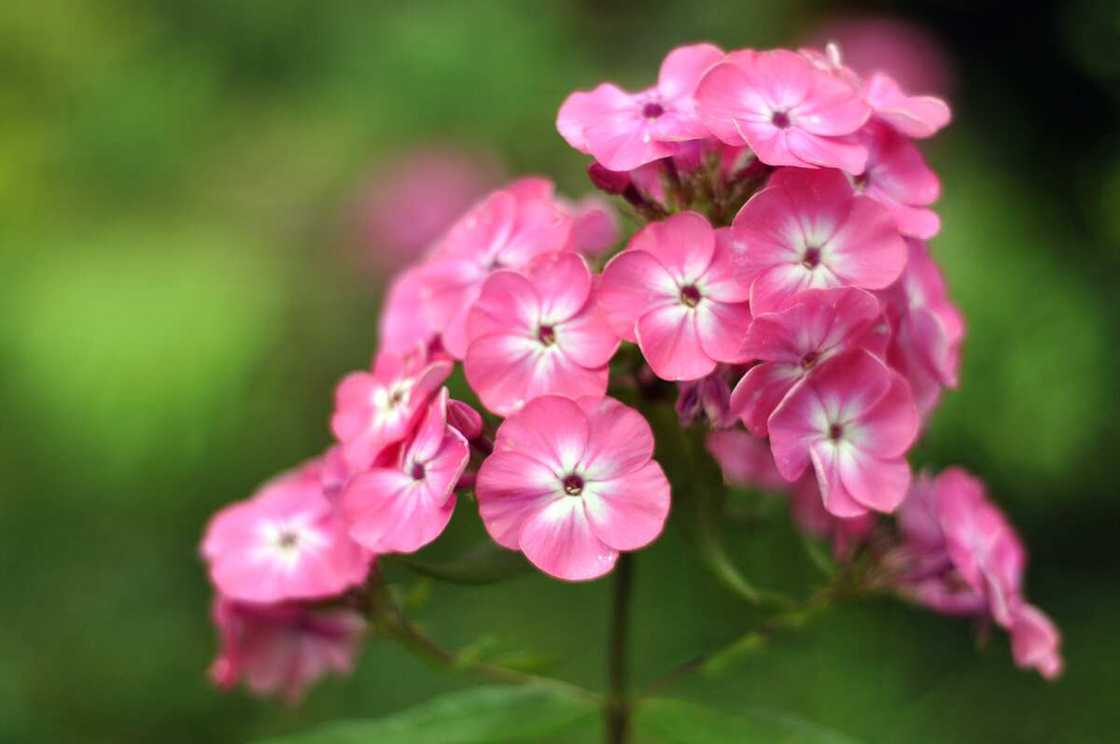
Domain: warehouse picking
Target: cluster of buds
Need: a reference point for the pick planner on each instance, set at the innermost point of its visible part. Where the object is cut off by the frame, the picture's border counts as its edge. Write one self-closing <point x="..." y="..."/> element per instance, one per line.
<point x="781" y="282"/>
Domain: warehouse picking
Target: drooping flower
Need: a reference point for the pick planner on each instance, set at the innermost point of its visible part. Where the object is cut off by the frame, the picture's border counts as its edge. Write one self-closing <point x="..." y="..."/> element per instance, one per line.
<point x="809" y="514"/>
<point x="572" y="483"/>
<point x="506" y="230"/>
<point x="852" y="419"/>
<point x="786" y="109"/>
<point x="625" y="130"/>
<point x="898" y="178"/>
<point x="402" y="507"/>
<point x="927" y="329"/>
<point x="374" y="410"/>
<point x="674" y="291"/>
<point x="745" y="460"/>
<point x="287" y="542"/>
<point x="960" y="556"/>
<point x="816" y="325"/>
<point x="282" y="649"/>
<point x="809" y="230"/>
<point x="538" y="333"/>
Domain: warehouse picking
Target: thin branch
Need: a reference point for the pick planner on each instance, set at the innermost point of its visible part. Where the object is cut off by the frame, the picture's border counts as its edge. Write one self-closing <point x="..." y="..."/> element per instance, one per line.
<point x="617" y="713"/>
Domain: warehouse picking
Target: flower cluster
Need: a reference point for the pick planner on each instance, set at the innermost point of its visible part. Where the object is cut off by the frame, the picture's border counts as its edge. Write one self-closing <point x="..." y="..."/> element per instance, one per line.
<point x="781" y="283"/>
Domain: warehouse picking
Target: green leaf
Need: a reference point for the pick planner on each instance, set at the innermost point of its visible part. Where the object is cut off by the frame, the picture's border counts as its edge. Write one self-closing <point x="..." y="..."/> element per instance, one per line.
<point x="476" y="716"/>
<point x="486" y="563"/>
<point x="673" y="721"/>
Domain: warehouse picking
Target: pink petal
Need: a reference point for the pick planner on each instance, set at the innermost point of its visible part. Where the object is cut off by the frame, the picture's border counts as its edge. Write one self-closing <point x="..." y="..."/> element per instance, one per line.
<point x="683" y="68"/>
<point x="552" y="430"/>
<point x="669" y="339"/>
<point x="401" y="326"/>
<point x="793" y="427"/>
<point x="559" y="541"/>
<point x="721" y="327"/>
<point x="1036" y="642"/>
<point x="722" y="280"/>
<point x="875" y="483"/>
<point x="587" y="338"/>
<point x="620" y="439"/>
<point x="832" y="108"/>
<point x="722" y="99"/>
<point x="891" y="425"/>
<point x="837" y="500"/>
<point x="684" y="243"/>
<point x="914" y="116"/>
<point x="563" y="283"/>
<point x="389" y="512"/>
<point x="583" y="109"/>
<point x="511" y="488"/>
<point x="632" y="281"/>
<point x="744" y="459"/>
<point x="508" y="303"/>
<point x="867" y="250"/>
<point x="761" y="391"/>
<point x="629" y="512"/>
<point x="775" y="286"/>
<point x="508" y="371"/>
<point x="827" y="152"/>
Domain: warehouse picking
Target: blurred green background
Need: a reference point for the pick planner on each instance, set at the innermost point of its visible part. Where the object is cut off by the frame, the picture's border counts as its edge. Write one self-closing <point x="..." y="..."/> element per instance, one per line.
<point x="182" y="286"/>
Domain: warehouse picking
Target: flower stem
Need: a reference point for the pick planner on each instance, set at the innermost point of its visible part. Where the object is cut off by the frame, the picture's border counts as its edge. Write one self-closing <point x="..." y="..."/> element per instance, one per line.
<point x="617" y="711"/>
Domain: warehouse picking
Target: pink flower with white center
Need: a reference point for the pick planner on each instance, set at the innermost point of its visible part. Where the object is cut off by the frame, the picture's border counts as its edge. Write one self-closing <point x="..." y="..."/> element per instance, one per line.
<point x="402" y="508"/>
<point x="927" y="329"/>
<point x="786" y="109"/>
<point x="376" y="410"/>
<point x="809" y="230"/>
<point x="745" y="460"/>
<point x="852" y="419"/>
<point x="625" y="130"/>
<point x="282" y="649"/>
<point x="538" y="333"/>
<point x="674" y="291"/>
<point x="898" y="178"/>
<point x="914" y="116"/>
<point x="505" y="231"/>
<point x="571" y="484"/>
<point x="809" y="514"/>
<point x="286" y="542"/>
<point x="816" y="325"/>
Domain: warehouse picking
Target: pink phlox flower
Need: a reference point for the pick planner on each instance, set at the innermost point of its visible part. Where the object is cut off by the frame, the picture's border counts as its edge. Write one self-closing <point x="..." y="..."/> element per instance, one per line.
<point x="625" y="130"/>
<point x="814" y="326"/>
<point x="287" y="542"/>
<point x="898" y="178"/>
<point x="374" y="410"/>
<point x="572" y="483"/>
<point x="674" y="291"/>
<point x="745" y="460"/>
<point x="403" y="507"/>
<point x="852" y="419"/>
<point x="789" y="111"/>
<point x="809" y="230"/>
<point x="282" y="649"/>
<point x="538" y="333"/>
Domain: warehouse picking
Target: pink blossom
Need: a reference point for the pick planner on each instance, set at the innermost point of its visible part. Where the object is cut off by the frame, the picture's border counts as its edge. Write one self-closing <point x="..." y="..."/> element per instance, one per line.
<point x="914" y="116"/>
<point x="374" y="410"/>
<point x="745" y="460"/>
<point x="898" y="178"/>
<point x="809" y="230"/>
<point x="505" y="231"/>
<point x="282" y="648"/>
<point x="286" y="542"/>
<point x="816" y="325"/>
<point x="809" y="514"/>
<point x="852" y="419"/>
<point x="538" y="334"/>
<point x="403" y="507"/>
<point x="674" y="291"/>
<point x="927" y="329"/>
<point x="625" y="130"/>
<point x="786" y="109"/>
<point x="572" y="483"/>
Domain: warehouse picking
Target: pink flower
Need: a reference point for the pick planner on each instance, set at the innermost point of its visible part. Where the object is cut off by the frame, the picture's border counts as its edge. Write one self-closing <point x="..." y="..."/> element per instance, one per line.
<point x="809" y="514"/>
<point x="808" y="230"/>
<point x="745" y="460"/>
<point x="538" y="334"/>
<point x="1036" y="642"/>
<point x="625" y="130"/>
<point x="787" y="110"/>
<point x="375" y="410"/>
<point x="674" y="291"/>
<point x="853" y="419"/>
<point x="403" y="507"/>
<point x="506" y="230"/>
<point x="927" y="329"/>
<point x="816" y="325"/>
<point x="898" y="178"/>
<point x="282" y="648"/>
<point x="572" y="483"/>
<point x="286" y="542"/>
<point x="914" y="116"/>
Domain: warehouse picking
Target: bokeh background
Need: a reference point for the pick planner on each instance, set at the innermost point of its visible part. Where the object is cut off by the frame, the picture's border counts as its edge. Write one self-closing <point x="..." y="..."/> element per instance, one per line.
<point x="194" y="244"/>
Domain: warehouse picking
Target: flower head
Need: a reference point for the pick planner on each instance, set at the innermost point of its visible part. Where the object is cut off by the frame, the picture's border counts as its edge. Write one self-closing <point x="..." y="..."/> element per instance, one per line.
<point x="572" y="483"/>
<point x="816" y="325"/>
<point x="786" y="109"/>
<point x="625" y="130"/>
<point x="282" y="648"/>
<point x="287" y="542"/>
<point x="404" y="506"/>
<point x="538" y="333"/>
<point x="674" y="291"/>
<point x="852" y="419"/>
<point x="374" y="410"/>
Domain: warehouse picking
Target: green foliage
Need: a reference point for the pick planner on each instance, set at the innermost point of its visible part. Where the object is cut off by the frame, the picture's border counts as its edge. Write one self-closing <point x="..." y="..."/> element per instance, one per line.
<point x="680" y="722"/>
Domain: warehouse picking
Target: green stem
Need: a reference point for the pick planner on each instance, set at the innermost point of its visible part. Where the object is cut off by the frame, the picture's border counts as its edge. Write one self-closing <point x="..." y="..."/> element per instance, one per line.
<point x="617" y="712"/>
